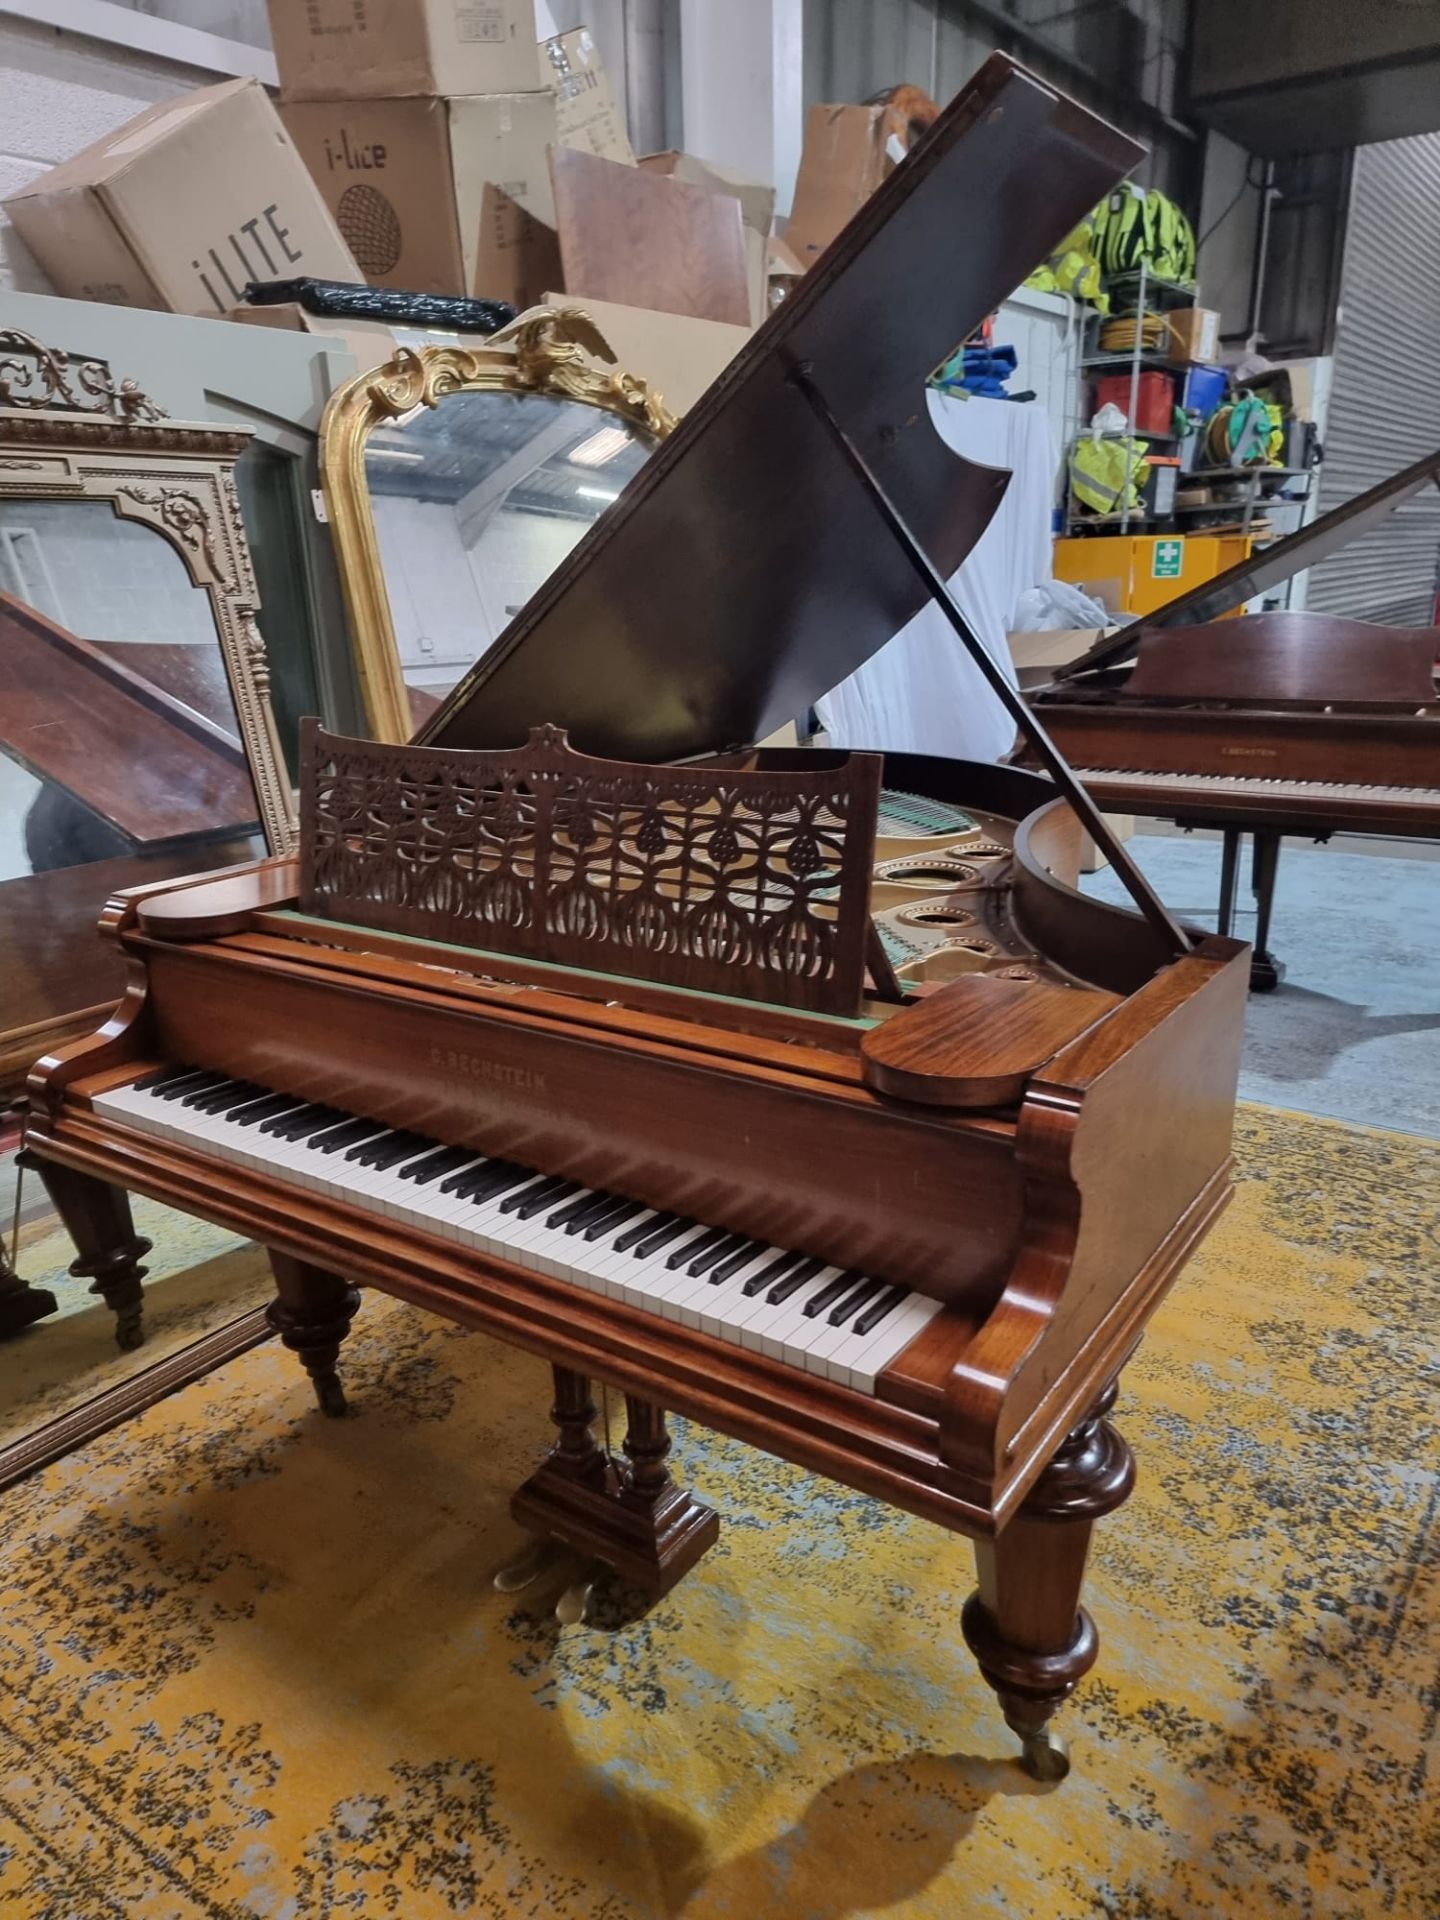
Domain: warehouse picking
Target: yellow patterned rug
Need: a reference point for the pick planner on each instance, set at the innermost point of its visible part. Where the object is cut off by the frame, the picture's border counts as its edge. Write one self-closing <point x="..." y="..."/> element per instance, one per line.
<point x="253" y="1667"/>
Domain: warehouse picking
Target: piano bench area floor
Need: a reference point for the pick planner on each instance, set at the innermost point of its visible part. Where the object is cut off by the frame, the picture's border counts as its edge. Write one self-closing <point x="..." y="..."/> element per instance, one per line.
<point x="1354" y="1030"/>
<point x="253" y="1663"/>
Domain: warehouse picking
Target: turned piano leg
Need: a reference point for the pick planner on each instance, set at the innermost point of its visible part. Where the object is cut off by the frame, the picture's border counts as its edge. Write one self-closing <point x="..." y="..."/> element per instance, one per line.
<point x="1025" y="1624"/>
<point x="635" y="1517"/>
<point x="311" y="1312"/>
<point x="1266" y="972"/>
<point x="109" y="1251"/>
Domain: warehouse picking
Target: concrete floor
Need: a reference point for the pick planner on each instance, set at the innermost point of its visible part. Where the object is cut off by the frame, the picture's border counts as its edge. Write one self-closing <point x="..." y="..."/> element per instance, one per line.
<point x="1355" y="1030"/>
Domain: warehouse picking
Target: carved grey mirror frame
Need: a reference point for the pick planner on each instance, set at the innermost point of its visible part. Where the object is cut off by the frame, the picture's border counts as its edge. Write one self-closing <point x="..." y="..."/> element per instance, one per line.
<point x="68" y="431"/>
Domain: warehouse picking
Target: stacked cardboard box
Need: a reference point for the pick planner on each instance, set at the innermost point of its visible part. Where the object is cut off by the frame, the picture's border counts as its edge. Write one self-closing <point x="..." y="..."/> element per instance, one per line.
<point x="181" y="207"/>
<point x="403" y="110"/>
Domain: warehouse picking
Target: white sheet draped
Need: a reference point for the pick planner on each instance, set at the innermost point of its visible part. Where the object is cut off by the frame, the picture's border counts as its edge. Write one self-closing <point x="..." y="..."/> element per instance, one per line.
<point x="922" y="693"/>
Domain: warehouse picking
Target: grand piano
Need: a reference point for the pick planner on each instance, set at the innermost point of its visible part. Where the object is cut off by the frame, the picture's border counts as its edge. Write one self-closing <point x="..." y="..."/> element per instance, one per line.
<point x="1268" y="724"/>
<point x="799" y="1093"/>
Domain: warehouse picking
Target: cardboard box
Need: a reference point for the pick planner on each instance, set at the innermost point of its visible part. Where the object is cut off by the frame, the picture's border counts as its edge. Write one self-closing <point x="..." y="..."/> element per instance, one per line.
<point x="405" y="179"/>
<point x="1194" y="333"/>
<point x="757" y="211"/>
<point x="586" y="111"/>
<point x="387" y="49"/>
<point x="676" y="356"/>
<point x="848" y="151"/>
<point x="517" y="256"/>
<point x="181" y="207"/>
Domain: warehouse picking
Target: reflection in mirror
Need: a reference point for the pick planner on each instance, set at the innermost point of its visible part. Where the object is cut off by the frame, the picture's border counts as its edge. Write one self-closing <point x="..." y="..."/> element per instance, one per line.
<point x="120" y="763"/>
<point x="476" y="501"/>
<point x="120" y="756"/>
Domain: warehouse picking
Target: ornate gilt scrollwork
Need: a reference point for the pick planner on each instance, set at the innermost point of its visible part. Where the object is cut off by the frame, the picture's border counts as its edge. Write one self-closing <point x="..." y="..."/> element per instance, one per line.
<point x="34" y="375"/>
<point x="555" y="351"/>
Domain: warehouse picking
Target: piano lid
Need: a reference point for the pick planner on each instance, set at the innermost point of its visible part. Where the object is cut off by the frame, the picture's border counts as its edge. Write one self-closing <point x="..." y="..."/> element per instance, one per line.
<point x="1264" y="569"/>
<point x="743" y="572"/>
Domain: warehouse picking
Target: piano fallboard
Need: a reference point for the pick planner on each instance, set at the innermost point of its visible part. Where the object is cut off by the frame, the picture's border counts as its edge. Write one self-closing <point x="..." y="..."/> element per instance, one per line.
<point x="1295" y="772"/>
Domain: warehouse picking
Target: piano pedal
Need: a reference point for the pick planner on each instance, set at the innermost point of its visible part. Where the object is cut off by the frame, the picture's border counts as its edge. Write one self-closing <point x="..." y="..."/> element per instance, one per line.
<point x="535" y="1560"/>
<point x="573" y="1606"/>
<point x="1044" y="1755"/>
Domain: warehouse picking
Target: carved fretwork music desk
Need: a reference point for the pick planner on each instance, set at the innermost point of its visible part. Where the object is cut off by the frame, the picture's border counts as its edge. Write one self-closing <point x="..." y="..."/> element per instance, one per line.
<point x="799" y="1093"/>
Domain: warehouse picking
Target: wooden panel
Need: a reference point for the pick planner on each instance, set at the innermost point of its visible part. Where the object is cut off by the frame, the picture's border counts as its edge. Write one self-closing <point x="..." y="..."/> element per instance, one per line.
<point x="1267" y="657"/>
<point x="800" y="1160"/>
<point x="53" y="960"/>
<point x="975" y="1042"/>
<point x="754" y="885"/>
<point x="742" y="573"/>
<point x="1367" y="749"/>
<point x="141" y="760"/>
<point x="858" y="1440"/>
<point x="648" y="241"/>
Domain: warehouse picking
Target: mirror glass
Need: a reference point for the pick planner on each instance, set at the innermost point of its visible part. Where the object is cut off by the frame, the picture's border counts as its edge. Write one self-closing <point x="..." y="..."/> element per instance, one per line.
<point x="120" y="755"/>
<point x="476" y="501"/>
<point x="121" y="762"/>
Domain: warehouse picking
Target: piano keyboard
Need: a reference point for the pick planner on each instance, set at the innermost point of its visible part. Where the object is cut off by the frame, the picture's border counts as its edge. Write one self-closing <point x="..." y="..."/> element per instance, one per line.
<point x="1209" y="786"/>
<point x="843" y="1325"/>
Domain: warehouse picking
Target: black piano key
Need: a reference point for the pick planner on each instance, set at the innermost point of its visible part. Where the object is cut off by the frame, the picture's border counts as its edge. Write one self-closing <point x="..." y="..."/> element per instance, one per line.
<point x="682" y="1256"/>
<point x="488" y="1182"/>
<point x="333" y="1139"/>
<point x="603" y="1228"/>
<point x="303" y="1125"/>
<point x="854" y="1300"/>
<point x="242" y="1102"/>
<point x="541" y="1187"/>
<point x="430" y="1166"/>
<point x="538" y="1199"/>
<point x="160" y="1077"/>
<point x="737" y="1263"/>
<point x="574" y="1209"/>
<point x="298" y="1116"/>
<point x="793" y="1282"/>
<point x="703" y="1262"/>
<point x="398" y="1151"/>
<point x="220" y="1099"/>
<point x="599" y="1206"/>
<point x="772" y="1271"/>
<point x="461" y="1179"/>
<point x="188" y="1083"/>
<point x="886" y="1304"/>
<point x="660" y="1236"/>
<point x="632" y="1236"/>
<point x="210" y="1083"/>
<point x="830" y="1293"/>
<point x="370" y="1153"/>
<point x="259" y="1110"/>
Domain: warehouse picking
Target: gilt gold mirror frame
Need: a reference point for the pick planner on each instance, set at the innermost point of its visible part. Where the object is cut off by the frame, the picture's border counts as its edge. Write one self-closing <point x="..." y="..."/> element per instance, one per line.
<point x="69" y="430"/>
<point x="551" y="351"/>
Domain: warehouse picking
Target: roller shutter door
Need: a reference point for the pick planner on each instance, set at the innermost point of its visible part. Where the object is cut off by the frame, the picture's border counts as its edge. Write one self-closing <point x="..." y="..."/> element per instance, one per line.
<point x="1385" y="401"/>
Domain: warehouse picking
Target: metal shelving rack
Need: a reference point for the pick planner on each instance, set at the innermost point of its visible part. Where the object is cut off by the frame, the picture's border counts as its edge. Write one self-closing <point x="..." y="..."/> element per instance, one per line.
<point x="1167" y="294"/>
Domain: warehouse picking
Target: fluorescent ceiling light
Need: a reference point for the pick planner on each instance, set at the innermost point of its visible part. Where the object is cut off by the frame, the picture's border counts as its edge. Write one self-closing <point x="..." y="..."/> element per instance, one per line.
<point x="392" y="453"/>
<point x="600" y="448"/>
<point x="596" y="493"/>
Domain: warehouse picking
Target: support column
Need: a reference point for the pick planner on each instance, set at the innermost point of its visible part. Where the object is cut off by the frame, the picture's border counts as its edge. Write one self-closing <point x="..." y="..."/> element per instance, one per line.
<point x="311" y="1312"/>
<point x="635" y="1517"/>
<point x="109" y="1251"/>
<point x="1025" y="1625"/>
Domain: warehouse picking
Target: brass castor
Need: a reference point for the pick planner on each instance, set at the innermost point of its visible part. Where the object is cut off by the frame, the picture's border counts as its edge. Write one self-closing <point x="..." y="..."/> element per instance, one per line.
<point x="1045" y="1756"/>
<point x="129" y="1328"/>
<point x="331" y="1396"/>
